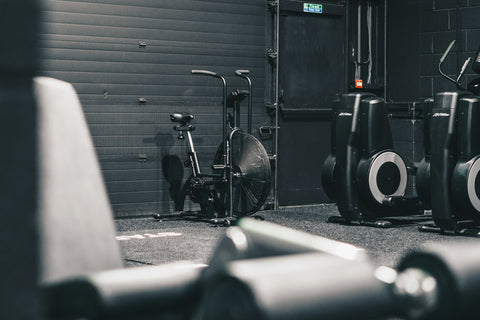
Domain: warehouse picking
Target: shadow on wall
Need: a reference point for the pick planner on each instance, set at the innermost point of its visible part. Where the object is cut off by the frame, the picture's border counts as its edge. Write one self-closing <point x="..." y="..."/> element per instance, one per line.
<point x="172" y="172"/>
<point x="172" y="168"/>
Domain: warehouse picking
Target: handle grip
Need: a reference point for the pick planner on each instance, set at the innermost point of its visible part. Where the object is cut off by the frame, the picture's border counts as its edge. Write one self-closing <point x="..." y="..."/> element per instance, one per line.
<point x="205" y="72"/>
<point x="464" y="67"/>
<point x="450" y="46"/>
<point x="241" y="72"/>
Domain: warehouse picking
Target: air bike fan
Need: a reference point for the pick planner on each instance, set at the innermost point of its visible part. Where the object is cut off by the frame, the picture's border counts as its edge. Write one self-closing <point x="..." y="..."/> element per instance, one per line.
<point x="251" y="174"/>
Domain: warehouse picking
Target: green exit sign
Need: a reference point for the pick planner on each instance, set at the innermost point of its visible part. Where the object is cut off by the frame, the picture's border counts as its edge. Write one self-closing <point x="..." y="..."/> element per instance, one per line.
<point x="312" y="8"/>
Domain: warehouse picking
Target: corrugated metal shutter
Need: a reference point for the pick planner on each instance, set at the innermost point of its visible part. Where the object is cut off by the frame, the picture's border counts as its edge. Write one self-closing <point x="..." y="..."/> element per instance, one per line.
<point x="116" y="52"/>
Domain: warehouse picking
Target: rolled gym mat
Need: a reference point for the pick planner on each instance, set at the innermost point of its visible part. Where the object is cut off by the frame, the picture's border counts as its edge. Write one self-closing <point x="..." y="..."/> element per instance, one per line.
<point x="258" y="239"/>
<point x="299" y="286"/>
<point x="133" y="293"/>
<point x="456" y="268"/>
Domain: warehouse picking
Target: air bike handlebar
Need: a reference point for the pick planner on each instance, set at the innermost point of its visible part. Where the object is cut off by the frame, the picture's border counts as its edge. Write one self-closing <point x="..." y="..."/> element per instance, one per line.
<point x="241" y="73"/>
<point x="244" y="74"/>
<point x="206" y="73"/>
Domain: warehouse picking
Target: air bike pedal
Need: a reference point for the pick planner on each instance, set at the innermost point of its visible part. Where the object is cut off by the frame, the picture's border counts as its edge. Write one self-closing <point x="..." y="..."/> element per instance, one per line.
<point x="363" y="174"/>
<point x="454" y="139"/>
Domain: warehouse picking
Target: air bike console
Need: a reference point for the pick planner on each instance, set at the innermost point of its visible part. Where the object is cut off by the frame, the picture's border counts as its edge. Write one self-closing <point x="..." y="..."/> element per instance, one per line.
<point x="240" y="182"/>
<point x="363" y="174"/>
<point x="450" y="179"/>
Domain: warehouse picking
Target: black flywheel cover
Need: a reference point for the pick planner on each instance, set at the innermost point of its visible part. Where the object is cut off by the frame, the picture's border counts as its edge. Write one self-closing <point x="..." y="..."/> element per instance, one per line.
<point x="251" y="174"/>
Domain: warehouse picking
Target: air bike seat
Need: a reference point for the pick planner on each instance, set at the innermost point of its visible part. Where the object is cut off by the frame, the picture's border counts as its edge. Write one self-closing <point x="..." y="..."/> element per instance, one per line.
<point x="363" y="174"/>
<point x="181" y="117"/>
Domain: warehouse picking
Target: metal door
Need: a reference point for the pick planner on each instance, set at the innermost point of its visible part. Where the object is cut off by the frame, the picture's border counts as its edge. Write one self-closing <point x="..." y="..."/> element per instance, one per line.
<point x="311" y="72"/>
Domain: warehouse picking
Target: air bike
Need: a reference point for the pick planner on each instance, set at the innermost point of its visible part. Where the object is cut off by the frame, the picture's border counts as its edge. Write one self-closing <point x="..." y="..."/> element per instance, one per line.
<point x="241" y="177"/>
<point x="449" y="173"/>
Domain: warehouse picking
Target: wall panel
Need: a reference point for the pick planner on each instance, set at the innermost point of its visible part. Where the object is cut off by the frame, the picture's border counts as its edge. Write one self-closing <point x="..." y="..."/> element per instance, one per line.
<point x="95" y="45"/>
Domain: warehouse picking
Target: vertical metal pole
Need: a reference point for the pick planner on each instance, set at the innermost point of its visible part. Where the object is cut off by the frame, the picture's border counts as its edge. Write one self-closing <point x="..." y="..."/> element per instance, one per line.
<point x="459" y="36"/>
<point x="277" y="105"/>
<point x="385" y="74"/>
<point x="227" y="153"/>
<point x="250" y="99"/>
<point x="224" y="123"/>
<point x="347" y="51"/>
<point x="230" y="175"/>
<point x="359" y="40"/>
<point x="194" y="158"/>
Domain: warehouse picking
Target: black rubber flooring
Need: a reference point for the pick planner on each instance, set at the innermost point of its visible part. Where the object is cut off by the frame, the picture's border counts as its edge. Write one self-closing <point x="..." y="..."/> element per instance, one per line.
<point x="146" y="241"/>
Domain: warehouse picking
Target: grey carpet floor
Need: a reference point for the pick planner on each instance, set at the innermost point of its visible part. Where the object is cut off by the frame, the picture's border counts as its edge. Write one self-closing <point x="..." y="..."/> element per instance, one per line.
<point x="146" y="241"/>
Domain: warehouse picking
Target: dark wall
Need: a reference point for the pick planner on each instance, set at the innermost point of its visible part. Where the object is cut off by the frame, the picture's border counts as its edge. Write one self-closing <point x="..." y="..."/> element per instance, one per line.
<point x="18" y="171"/>
<point x="418" y="33"/>
<point x="403" y="42"/>
<point x="443" y="22"/>
<point x="116" y="52"/>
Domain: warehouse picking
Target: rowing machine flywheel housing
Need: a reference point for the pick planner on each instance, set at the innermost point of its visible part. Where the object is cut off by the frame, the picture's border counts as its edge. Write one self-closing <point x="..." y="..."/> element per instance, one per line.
<point x="466" y="187"/>
<point x="383" y="175"/>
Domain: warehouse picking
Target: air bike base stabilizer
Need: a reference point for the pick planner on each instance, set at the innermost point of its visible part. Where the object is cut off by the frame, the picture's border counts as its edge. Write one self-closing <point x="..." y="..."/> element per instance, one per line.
<point x="452" y="186"/>
<point x="241" y="178"/>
